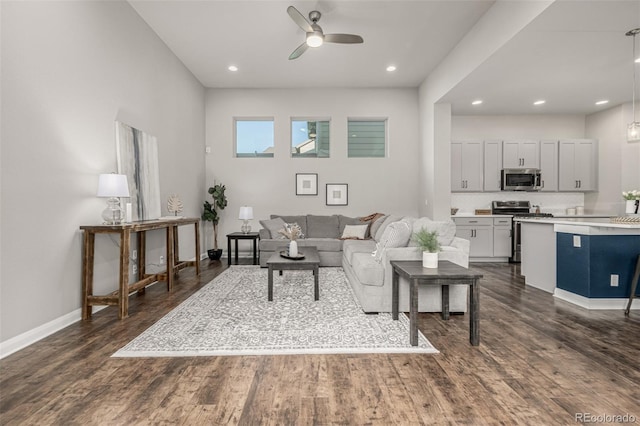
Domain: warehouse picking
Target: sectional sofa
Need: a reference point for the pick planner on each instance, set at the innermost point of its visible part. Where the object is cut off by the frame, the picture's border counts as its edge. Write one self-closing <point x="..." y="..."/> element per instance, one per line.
<point x="364" y="249"/>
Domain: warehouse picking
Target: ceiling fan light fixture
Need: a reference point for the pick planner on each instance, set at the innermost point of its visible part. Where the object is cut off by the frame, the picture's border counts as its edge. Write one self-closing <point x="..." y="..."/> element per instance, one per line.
<point x="315" y="39"/>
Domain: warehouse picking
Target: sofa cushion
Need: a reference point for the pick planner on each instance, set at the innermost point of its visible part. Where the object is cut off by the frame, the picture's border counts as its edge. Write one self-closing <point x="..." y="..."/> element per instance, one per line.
<point x="397" y="234"/>
<point x="387" y="221"/>
<point x="375" y="225"/>
<point x="356" y="232"/>
<point x="346" y="220"/>
<point x="367" y="270"/>
<point x="349" y="247"/>
<point x="446" y="229"/>
<point x="300" y="220"/>
<point x="322" y="227"/>
<point x="273" y="226"/>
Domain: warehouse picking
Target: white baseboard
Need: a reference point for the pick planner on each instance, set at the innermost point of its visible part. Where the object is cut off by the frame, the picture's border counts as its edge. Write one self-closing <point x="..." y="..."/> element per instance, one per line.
<point x="27" y="338"/>
<point x="616" y="304"/>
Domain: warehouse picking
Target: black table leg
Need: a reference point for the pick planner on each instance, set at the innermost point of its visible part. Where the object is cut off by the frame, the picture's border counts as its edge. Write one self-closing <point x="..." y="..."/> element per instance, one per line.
<point x="228" y="251"/>
<point x="316" y="283"/>
<point x="270" y="285"/>
<point x="236" y="253"/>
<point x="394" y="295"/>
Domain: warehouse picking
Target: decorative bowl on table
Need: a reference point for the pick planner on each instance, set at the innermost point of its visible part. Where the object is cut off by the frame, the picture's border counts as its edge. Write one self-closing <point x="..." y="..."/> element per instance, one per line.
<point x="285" y="254"/>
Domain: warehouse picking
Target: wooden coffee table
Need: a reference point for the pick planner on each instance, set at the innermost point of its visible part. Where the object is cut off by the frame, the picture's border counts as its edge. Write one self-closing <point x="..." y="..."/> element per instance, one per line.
<point x="311" y="262"/>
<point x="445" y="274"/>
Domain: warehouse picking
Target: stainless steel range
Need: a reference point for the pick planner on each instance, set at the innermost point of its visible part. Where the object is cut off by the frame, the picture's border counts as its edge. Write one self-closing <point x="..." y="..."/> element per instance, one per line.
<point x="515" y="209"/>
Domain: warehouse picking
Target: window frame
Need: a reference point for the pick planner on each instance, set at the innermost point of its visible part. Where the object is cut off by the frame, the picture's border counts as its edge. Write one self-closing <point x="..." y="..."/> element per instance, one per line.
<point x="383" y="120"/>
<point x="236" y="154"/>
<point x="308" y="119"/>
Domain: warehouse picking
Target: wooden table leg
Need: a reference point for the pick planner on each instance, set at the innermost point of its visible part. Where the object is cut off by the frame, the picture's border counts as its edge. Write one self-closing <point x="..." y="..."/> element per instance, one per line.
<point x="170" y="261"/>
<point x="123" y="289"/>
<point x="197" y="229"/>
<point x="176" y="249"/>
<point x="89" y="239"/>
<point x="413" y="313"/>
<point x="394" y="294"/>
<point x="316" y="283"/>
<point x="474" y="318"/>
<point x="270" y="285"/>
<point x="445" y="301"/>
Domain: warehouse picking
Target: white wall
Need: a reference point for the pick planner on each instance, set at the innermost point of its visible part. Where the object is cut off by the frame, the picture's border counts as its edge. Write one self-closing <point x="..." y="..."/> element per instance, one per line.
<point x="387" y="185"/>
<point x="517" y="127"/>
<point x="69" y="69"/>
<point x="619" y="160"/>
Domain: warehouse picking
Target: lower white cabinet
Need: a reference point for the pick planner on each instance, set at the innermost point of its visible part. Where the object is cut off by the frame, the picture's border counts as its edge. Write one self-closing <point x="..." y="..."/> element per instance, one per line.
<point x="490" y="237"/>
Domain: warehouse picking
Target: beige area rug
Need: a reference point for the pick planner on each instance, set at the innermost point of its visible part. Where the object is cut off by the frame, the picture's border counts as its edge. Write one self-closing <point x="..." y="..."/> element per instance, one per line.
<point x="231" y="316"/>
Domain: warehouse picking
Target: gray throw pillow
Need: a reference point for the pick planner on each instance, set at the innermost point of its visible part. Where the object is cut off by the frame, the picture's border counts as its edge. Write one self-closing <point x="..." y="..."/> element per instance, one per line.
<point x="375" y="225"/>
<point x="273" y="226"/>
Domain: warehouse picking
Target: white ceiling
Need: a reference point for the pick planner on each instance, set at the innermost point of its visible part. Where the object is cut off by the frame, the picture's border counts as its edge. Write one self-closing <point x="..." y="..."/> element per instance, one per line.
<point x="572" y="55"/>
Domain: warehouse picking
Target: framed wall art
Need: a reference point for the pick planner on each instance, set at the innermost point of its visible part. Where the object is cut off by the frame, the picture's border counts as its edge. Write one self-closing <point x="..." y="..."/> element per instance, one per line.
<point x="306" y="184"/>
<point x="337" y="194"/>
<point x="137" y="154"/>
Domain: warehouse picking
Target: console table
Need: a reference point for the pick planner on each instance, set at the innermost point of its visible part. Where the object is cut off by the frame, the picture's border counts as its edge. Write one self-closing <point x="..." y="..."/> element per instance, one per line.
<point x="445" y="274"/>
<point x="120" y="297"/>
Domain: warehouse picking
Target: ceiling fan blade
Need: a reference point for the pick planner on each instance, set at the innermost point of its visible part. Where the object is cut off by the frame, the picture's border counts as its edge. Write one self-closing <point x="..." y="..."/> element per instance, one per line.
<point x="299" y="51"/>
<point x="343" y="38"/>
<point x="299" y="19"/>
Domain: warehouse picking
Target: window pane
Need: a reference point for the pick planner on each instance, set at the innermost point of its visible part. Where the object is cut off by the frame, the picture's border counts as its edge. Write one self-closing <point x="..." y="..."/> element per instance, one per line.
<point x="254" y="138"/>
<point x="366" y="138"/>
<point x="309" y="138"/>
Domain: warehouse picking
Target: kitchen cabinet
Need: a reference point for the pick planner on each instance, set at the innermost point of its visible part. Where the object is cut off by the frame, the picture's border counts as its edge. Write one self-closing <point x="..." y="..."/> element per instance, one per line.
<point x="502" y="237"/>
<point x="466" y="166"/>
<point x="548" y="166"/>
<point x="521" y="154"/>
<point x="479" y="231"/>
<point x="577" y="165"/>
<point x="492" y="165"/>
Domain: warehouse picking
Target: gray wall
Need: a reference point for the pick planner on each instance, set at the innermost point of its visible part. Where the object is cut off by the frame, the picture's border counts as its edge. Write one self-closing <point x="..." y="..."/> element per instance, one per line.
<point x="69" y="69"/>
<point x="386" y="185"/>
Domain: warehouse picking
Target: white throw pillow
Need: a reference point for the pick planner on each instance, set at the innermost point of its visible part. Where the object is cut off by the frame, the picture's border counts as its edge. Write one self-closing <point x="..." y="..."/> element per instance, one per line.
<point x="397" y="234"/>
<point x="357" y="232"/>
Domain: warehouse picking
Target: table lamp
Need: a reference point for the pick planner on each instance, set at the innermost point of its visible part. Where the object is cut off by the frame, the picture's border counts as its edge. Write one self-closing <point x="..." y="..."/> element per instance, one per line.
<point x="113" y="186"/>
<point x="246" y="214"/>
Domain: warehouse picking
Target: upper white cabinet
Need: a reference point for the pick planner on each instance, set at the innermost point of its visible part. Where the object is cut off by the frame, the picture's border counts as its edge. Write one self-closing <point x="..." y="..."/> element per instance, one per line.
<point x="466" y="166"/>
<point x="492" y="165"/>
<point x="548" y="166"/>
<point x="578" y="165"/>
<point x="521" y="154"/>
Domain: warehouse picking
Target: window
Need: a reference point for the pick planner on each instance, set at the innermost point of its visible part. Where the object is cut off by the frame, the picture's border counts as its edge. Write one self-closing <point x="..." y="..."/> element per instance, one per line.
<point x="309" y="138"/>
<point x="367" y="138"/>
<point x="254" y="137"/>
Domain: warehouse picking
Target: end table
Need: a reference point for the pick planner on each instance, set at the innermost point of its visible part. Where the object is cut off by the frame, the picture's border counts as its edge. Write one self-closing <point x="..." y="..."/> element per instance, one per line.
<point x="255" y="236"/>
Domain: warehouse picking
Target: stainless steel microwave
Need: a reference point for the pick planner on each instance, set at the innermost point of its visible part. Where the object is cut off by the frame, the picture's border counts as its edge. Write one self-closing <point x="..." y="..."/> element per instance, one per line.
<point x="520" y="179"/>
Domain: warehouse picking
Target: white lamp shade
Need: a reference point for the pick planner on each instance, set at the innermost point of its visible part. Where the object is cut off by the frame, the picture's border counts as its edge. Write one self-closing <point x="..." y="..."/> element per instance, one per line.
<point x="246" y="213"/>
<point x="113" y="185"/>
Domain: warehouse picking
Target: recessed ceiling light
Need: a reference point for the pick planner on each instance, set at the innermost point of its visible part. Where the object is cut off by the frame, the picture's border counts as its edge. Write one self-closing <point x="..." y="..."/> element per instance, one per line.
<point x="540" y="102"/>
<point x="232" y="68"/>
<point x="637" y="61"/>
<point x="476" y="102"/>
<point x="602" y="102"/>
<point x="391" y="68"/>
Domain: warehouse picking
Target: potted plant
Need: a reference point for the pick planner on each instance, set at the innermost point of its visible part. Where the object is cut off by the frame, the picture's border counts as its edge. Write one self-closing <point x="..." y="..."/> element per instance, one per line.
<point x="210" y="214"/>
<point x="632" y="202"/>
<point x="428" y="243"/>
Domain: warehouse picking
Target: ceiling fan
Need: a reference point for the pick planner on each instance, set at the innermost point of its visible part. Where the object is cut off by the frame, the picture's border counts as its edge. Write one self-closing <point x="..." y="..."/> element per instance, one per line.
<point x="315" y="37"/>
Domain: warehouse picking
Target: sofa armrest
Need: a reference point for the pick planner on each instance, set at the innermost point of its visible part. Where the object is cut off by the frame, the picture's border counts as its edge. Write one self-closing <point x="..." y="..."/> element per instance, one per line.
<point x="462" y="244"/>
<point x="265" y="234"/>
<point x="457" y="252"/>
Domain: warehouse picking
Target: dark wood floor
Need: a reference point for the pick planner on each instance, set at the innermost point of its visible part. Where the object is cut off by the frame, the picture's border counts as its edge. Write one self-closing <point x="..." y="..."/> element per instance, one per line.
<point x="540" y="361"/>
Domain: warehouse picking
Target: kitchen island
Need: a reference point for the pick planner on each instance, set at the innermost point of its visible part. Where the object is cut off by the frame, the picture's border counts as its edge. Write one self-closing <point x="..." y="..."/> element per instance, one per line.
<point x="587" y="261"/>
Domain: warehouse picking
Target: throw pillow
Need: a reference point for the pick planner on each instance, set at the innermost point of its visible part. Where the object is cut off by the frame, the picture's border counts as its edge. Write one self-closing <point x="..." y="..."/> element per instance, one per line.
<point x="446" y="229"/>
<point x="354" y="232"/>
<point x="273" y="226"/>
<point x="397" y="234"/>
<point x="387" y="221"/>
<point x="375" y="225"/>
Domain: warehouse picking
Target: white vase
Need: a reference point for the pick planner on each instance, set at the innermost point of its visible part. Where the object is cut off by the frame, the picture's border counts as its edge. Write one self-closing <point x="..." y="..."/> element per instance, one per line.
<point x="429" y="260"/>
<point x="631" y="207"/>
<point x="293" y="248"/>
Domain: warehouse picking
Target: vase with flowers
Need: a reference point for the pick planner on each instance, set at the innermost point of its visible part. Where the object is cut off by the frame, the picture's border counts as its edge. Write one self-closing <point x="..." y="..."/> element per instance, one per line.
<point x="632" y="201"/>
<point x="292" y="231"/>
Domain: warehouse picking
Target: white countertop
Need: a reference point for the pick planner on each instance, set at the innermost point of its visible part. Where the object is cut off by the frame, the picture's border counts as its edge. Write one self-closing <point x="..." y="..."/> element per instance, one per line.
<point x="479" y="215"/>
<point x="601" y="222"/>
